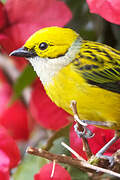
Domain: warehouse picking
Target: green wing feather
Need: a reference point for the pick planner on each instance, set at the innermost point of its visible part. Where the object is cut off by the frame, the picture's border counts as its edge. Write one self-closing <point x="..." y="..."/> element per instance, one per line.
<point x="99" y="65"/>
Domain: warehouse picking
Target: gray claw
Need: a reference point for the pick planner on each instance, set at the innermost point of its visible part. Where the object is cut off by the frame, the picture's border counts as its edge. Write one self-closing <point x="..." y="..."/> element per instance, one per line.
<point x="86" y="133"/>
<point x="111" y="161"/>
<point x="109" y="158"/>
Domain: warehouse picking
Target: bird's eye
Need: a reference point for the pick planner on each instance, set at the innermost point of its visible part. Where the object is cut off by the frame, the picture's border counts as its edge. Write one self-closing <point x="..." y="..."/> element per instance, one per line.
<point x="43" y="46"/>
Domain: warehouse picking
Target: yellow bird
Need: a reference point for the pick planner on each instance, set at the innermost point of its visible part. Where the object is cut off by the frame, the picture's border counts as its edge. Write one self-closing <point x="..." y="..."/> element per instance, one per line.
<point x="71" y="68"/>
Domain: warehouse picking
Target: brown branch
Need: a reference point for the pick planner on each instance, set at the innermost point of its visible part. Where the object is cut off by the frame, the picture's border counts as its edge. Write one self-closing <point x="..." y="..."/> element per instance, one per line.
<point x="82" y="165"/>
<point x="86" y="146"/>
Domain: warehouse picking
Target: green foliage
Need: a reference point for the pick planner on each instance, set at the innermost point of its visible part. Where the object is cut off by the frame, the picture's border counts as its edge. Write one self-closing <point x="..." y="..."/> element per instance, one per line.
<point x="24" y="80"/>
<point x="76" y="174"/>
<point x="3" y="1"/>
<point x="29" y="167"/>
<point x="57" y="148"/>
<point x="63" y="132"/>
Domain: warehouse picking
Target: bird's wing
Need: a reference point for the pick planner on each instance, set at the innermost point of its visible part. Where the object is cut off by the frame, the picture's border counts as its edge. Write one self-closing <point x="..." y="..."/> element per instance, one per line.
<point x="99" y="65"/>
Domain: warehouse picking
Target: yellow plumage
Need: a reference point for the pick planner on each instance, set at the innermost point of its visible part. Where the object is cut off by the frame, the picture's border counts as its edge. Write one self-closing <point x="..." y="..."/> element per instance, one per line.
<point x="74" y="69"/>
<point x="93" y="103"/>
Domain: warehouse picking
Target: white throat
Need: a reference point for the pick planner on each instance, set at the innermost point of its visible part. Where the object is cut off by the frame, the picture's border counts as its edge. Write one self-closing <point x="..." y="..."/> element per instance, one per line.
<point x="46" y="68"/>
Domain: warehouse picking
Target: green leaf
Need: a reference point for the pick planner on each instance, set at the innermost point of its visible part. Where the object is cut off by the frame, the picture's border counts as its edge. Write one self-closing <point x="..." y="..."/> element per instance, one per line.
<point x="29" y="167"/>
<point x="88" y="34"/>
<point x="25" y="79"/>
<point x="63" y="132"/>
<point x="57" y="148"/>
<point x="3" y="1"/>
<point x="77" y="174"/>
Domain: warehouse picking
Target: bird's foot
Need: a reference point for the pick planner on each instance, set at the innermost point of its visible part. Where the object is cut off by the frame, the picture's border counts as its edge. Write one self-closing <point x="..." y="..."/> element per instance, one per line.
<point x="86" y="133"/>
<point x="100" y="153"/>
<point x="80" y="126"/>
<point x="109" y="158"/>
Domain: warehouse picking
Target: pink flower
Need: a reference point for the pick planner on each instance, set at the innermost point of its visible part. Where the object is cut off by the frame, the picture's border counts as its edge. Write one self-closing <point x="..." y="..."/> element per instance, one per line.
<point x="101" y="137"/>
<point x="19" y="19"/>
<point x="3" y="17"/>
<point x="108" y="9"/>
<point x="15" y="117"/>
<point x="9" y="147"/>
<point x="44" y="111"/>
<point x="4" y="166"/>
<point x="17" y="120"/>
<point x="59" y="174"/>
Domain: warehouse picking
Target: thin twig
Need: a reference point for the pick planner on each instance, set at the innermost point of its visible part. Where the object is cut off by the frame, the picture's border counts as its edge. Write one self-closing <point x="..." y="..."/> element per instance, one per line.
<point x="83" y="165"/>
<point x="53" y="169"/>
<point x="86" y="146"/>
<point x="72" y="151"/>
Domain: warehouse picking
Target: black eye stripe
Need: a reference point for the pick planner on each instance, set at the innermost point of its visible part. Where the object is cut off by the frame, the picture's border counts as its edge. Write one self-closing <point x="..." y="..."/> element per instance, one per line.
<point x="43" y="46"/>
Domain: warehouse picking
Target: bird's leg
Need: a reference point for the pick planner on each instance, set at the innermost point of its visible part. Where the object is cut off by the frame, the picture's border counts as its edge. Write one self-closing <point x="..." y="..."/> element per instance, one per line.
<point x="80" y="126"/>
<point x="102" y="150"/>
<point x="81" y="130"/>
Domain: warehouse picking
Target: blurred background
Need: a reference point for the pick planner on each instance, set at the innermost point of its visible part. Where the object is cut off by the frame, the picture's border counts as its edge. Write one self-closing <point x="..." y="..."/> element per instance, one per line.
<point x="27" y="115"/>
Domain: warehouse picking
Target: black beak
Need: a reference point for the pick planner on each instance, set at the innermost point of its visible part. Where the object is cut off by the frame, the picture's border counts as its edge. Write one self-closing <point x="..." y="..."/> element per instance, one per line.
<point x="23" y="52"/>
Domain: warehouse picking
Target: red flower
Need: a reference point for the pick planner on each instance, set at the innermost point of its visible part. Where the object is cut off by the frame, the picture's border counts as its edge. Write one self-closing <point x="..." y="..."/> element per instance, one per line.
<point x="59" y="174"/>
<point x="44" y="111"/>
<point x="9" y="147"/>
<point x="17" y="120"/>
<point x="3" y="17"/>
<point x="26" y="17"/>
<point x="108" y="9"/>
<point x="4" y="166"/>
<point x="15" y="117"/>
<point x="101" y="137"/>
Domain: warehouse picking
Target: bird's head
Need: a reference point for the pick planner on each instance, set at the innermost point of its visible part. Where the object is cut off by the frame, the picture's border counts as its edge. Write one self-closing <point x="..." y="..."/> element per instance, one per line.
<point x="47" y="48"/>
<point x="50" y="42"/>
